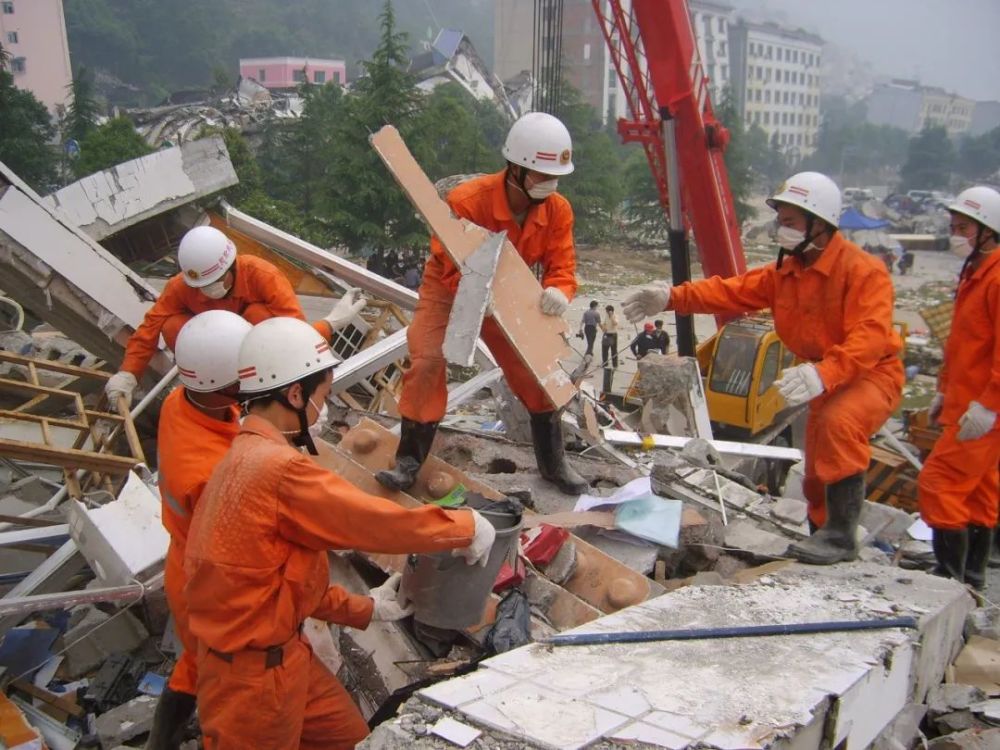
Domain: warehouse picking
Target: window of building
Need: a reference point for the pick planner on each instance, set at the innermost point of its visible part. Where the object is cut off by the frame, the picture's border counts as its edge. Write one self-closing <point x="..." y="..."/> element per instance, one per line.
<point x="759" y="95"/>
<point x="722" y="24"/>
<point x="261" y="75"/>
<point x="12" y="37"/>
<point x="769" y="52"/>
<point x="767" y="96"/>
<point x="784" y="118"/>
<point x="18" y="65"/>
<point x="8" y="7"/>
<point x="756" y="118"/>
<point x="725" y="72"/>
<point x="798" y="139"/>
<point x="784" y="97"/>
<point x="299" y="76"/>
<point x="802" y="119"/>
<point x="767" y="118"/>
<point x="760" y="73"/>
<point x="722" y="49"/>
<point x="319" y="76"/>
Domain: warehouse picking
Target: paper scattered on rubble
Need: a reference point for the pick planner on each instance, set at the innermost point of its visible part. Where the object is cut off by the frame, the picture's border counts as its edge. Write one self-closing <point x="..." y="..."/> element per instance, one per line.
<point x="978" y="665"/>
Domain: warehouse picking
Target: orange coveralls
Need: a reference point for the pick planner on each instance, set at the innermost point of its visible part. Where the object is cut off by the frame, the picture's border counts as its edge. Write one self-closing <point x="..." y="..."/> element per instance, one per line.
<point x="189" y="444"/>
<point x="257" y="567"/>
<point x="259" y="292"/>
<point x="958" y="485"/>
<point x="546" y="238"/>
<point x="836" y="313"/>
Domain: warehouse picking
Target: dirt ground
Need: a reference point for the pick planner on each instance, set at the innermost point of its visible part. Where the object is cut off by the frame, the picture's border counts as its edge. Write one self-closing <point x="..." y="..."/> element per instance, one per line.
<point x="608" y="274"/>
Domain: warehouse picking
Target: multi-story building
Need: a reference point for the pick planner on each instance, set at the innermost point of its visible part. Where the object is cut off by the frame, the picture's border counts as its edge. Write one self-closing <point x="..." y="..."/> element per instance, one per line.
<point x="33" y="32"/>
<point x="584" y="57"/>
<point x="985" y="117"/>
<point x="908" y="105"/>
<point x="282" y="73"/>
<point x="710" y="21"/>
<point x="777" y="83"/>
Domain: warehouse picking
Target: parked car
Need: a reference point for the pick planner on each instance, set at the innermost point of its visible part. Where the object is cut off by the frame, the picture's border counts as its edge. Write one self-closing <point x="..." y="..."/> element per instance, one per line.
<point x="858" y="195"/>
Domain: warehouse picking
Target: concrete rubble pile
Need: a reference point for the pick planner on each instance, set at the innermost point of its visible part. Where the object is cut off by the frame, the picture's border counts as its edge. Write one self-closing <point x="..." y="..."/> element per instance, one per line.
<point x="676" y="532"/>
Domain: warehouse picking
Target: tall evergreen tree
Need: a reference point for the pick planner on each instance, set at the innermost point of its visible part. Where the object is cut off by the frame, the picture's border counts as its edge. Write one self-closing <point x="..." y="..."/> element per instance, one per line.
<point x="83" y="110"/>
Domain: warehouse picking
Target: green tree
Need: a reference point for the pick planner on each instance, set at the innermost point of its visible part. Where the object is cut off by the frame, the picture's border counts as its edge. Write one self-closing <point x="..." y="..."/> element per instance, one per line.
<point x="26" y="131"/>
<point x="112" y="143"/>
<point x="83" y="110"/>
<point x="595" y="188"/>
<point x="360" y="200"/>
<point x="737" y="156"/>
<point x="929" y="159"/>
<point x="451" y="134"/>
<point x="644" y="214"/>
<point x="979" y="156"/>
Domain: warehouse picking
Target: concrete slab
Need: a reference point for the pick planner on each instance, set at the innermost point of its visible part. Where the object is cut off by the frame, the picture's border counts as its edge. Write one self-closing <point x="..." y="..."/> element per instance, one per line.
<point x="785" y="691"/>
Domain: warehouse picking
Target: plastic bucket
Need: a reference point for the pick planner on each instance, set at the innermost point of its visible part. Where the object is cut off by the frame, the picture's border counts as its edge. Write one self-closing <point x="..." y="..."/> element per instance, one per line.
<point x="449" y="593"/>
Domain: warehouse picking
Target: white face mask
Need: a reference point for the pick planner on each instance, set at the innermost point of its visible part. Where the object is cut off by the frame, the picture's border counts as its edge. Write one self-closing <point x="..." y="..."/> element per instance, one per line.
<point x="542" y="190"/>
<point x="789" y="238"/>
<point x="317" y="427"/>
<point x="215" y="290"/>
<point x="960" y="245"/>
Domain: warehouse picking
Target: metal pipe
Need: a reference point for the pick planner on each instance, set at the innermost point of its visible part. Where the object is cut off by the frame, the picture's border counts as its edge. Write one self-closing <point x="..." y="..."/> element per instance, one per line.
<point x="737" y="631"/>
<point x="680" y="260"/>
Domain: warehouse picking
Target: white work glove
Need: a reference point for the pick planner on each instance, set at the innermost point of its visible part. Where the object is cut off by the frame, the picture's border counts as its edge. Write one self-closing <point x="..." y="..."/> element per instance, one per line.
<point x="652" y="299"/>
<point x="388" y="607"/>
<point x="800" y="384"/>
<point x="976" y="422"/>
<point x="478" y="551"/>
<point x="934" y="410"/>
<point x="346" y="309"/>
<point x="553" y="301"/>
<point x="121" y="385"/>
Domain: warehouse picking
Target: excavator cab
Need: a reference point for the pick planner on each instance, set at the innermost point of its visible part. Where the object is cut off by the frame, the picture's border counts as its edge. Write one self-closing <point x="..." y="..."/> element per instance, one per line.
<point x="740" y="365"/>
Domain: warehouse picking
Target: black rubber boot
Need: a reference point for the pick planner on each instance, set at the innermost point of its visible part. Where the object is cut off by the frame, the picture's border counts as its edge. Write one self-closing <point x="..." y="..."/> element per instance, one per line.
<point x="951" y="548"/>
<point x="173" y="712"/>
<point x="415" y="440"/>
<point x="836" y="541"/>
<point x="978" y="557"/>
<point x="550" y="453"/>
<point x="994" y="561"/>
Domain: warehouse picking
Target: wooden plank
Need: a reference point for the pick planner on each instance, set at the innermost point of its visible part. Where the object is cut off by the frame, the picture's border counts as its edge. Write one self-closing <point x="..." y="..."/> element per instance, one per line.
<point x="600" y="580"/>
<point x="53" y="366"/>
<point x="131" y="436"/>
<point x="67" y="705"/>
<point x="540" y="340"/>
<point x="68" y="458"/>
<point x="42" y="419"/>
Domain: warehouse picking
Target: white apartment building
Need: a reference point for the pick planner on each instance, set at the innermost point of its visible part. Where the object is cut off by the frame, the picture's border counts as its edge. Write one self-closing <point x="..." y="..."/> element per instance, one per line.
<point x="711" y="30"/>
<point x="778" y="83"/>
<point x="33" y="32"/>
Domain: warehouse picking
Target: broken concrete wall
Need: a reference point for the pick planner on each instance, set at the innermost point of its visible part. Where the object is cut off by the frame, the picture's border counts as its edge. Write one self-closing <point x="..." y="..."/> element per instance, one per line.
<point x="107" y="202"/>
<point x="59" y="273"/>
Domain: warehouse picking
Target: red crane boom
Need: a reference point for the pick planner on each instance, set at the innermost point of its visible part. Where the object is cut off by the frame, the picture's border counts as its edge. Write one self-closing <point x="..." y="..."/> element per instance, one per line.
<point x="654" y="51"/>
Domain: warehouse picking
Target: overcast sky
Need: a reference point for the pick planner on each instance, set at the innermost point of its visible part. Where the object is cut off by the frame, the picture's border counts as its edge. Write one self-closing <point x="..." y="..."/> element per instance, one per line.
<point x="950" y="43"/>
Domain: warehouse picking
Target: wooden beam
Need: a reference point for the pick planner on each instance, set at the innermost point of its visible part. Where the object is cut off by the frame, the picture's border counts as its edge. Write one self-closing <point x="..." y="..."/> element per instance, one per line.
<point x="53" y="366"/>
<point x="68" y="458"/>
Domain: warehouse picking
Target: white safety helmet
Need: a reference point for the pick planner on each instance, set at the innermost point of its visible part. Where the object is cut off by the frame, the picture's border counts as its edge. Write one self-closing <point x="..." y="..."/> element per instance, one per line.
<point x="207" y="348"/>
<point x="540" y="142"/>
<point x="812" y="192"/>
<point x="981" y="204"/>
<point x="279" y="352"/>
<point x="204" y="256"/>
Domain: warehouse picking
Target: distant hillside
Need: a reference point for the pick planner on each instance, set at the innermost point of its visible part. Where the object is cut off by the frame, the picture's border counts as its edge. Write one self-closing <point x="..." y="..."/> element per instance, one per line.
<point x="154" y="47"/>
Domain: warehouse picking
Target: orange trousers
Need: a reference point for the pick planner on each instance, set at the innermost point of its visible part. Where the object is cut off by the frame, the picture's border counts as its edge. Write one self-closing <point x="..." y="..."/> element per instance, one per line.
<point x="184" y="678"/>
<point x="298" y="704"/>
<point x="959" y="485"/>
<point x="255" y="313"/>
<point x="425" y="383"/>
<point x="838" y="429"/>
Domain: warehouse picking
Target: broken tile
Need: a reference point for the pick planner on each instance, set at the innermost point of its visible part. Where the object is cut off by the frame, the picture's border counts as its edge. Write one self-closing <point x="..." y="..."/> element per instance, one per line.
<point x="126" y="721"/>
<point x="651" y="735"/>
<point x="790" y="510"/>
<point x="455" y="731"/>
<point x="461" y="690"/>
<point x="746" y="536"/>
<point x="627" y="700"/>
<point x="676" y="723"/>
<point x="550" y="720"/>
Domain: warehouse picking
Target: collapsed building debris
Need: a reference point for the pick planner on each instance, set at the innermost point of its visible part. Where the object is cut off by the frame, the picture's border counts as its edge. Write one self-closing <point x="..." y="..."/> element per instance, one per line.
<point x="95" y="569"/>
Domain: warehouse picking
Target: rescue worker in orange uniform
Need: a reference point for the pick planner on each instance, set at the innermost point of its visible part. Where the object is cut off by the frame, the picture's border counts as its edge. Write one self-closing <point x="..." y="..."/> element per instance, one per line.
<point x="214" y="277"/>
<point x="832" y="306"/>
<point x="256" y="557"/>
<point x="521" y="200"/>
<point x="958" y="486"/>
<point x="198" y="423"/>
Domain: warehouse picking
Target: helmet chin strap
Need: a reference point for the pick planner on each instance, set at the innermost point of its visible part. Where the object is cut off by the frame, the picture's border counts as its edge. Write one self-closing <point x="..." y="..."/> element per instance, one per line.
<point x="801" y="247"/>
<point x="977" y="249"/>
<point x="301" y="437"/>
<point x="519" y="184"/>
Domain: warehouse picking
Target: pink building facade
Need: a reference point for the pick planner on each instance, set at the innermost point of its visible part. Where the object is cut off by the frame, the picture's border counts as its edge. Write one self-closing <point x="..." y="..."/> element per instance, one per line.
<point x="34" y="33"/>
<point x="291" y="72"/>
